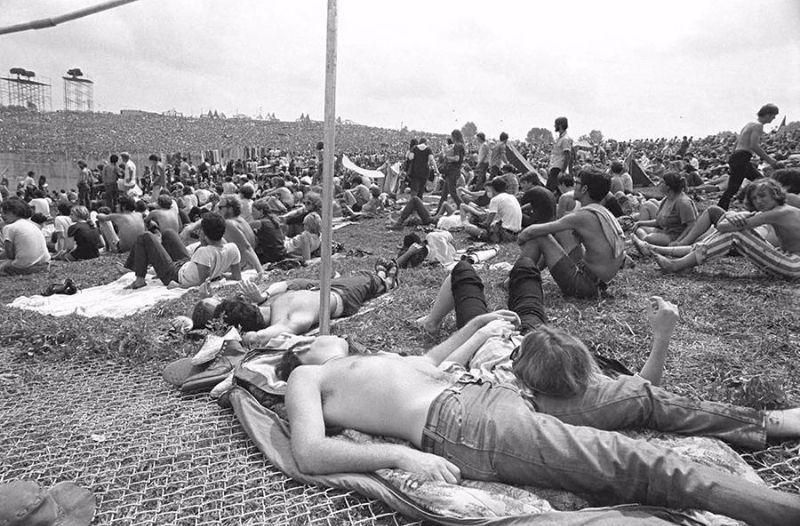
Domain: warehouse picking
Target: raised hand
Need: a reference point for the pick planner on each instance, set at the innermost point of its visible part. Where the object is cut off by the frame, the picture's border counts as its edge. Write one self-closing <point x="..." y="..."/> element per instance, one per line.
<point x="251" y="292"/>
<point x="662" y="314"/>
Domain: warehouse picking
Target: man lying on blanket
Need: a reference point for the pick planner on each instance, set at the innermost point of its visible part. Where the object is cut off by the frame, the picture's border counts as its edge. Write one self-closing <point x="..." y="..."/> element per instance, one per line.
<point x="485" y="430"/>
<point x="293" y="306"/>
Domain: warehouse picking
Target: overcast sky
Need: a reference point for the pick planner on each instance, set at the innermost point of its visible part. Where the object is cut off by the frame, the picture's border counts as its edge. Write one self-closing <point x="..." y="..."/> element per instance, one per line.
<point x="629" y="68"/>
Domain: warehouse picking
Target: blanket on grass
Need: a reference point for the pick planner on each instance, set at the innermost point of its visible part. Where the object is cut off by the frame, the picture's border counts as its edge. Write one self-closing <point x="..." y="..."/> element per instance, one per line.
<point x="111" y="300"/>
<point x="257" y="403"/>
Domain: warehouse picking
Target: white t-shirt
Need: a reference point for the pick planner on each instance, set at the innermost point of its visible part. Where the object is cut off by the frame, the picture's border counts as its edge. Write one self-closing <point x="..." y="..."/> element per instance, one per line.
<point x="217" y="259"/>
<point x="563" y="144"/>
<point x="61" y="224"/>
<point x="506" y="209"/>
<point x="41" y="206"/>
<point x="202" y="196"/>
<point x="28" y="241"/>
<point x="190" y="201"/>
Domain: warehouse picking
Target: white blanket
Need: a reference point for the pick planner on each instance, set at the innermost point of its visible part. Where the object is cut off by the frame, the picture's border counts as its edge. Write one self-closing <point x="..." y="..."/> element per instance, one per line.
<point x="108" y="301"/>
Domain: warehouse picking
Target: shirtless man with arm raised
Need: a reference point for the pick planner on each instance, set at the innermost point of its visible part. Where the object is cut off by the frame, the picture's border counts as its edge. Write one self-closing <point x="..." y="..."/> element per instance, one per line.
<point x="747" y="145"/>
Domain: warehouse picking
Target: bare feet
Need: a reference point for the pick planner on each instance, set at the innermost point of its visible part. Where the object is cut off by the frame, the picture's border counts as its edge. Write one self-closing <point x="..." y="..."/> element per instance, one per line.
<point x="642" y="246"/>
<point x="137" y="284"/>
<point x="427" y="325"/>
<point x="667" y="265"/>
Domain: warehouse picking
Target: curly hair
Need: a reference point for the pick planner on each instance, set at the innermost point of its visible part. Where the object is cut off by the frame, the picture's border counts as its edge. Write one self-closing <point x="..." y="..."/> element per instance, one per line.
<point x="777" y="191"/>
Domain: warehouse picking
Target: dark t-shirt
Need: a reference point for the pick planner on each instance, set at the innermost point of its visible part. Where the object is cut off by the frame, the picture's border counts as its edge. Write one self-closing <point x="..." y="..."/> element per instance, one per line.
<point x="87" y="240"/>
<point x="543" y="204"/>
<point x="269" y="240"/>
<point x="419" y="166"/>
<point x="458" y="149"/>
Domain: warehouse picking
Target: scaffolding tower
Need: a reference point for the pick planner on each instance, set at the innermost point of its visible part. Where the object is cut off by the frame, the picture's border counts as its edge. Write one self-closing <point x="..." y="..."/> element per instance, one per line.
<point x="21" y="90"/>
<point x="78" y="92"/>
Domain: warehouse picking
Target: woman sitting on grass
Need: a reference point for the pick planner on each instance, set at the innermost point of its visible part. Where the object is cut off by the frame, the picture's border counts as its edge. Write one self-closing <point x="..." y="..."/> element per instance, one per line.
<point x="737" y="229"/>
<point x="675" y="216"/>
<point x="85" y="236"/>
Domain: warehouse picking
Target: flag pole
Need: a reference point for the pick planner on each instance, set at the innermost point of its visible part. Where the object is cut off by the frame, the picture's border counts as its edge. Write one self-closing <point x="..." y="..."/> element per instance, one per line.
<point x="327" y="172"/>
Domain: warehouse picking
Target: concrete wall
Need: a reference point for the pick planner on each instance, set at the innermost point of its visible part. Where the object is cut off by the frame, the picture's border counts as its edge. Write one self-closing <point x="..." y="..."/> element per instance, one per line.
<point x="61" y="169"/>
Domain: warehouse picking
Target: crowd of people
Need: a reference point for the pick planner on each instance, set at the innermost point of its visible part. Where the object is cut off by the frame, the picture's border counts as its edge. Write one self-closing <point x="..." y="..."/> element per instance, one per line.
<point x="574" y="212"/>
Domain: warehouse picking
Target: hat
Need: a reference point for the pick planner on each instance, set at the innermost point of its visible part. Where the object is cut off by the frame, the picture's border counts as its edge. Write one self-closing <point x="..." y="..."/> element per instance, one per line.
<point x="125" y="154"/>
<point x="25" y="502"/>
<point x="305" y="180"/>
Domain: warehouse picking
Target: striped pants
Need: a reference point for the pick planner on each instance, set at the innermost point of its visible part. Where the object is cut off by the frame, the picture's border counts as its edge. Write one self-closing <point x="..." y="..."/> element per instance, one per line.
<point x="754" y="247"/>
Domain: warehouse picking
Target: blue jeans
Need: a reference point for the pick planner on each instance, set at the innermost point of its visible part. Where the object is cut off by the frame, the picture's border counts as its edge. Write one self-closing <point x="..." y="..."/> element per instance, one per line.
<point x="492" y="434"/>
<point x="630" y="402"/>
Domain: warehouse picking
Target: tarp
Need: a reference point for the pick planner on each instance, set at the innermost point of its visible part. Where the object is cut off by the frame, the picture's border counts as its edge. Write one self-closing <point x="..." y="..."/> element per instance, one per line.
<point x="639" y="176"/>
<point x="373" y="176"/>
<point x="521" y="163"/>
<point x="470" y="502"/>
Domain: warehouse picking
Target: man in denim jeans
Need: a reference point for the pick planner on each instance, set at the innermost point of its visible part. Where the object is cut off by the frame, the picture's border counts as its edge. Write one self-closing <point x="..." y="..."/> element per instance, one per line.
<point x="482" y="430"/>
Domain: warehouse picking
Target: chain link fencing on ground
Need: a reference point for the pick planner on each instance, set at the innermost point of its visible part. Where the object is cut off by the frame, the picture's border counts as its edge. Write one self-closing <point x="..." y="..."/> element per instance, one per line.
<point x="151" y="456"/>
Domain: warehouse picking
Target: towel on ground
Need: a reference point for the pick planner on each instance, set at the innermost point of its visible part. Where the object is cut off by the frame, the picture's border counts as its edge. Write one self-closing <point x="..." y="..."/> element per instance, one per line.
<point x="111" y="300"/>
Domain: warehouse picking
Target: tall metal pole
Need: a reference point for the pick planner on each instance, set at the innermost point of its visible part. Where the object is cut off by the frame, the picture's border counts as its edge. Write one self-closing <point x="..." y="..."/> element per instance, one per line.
<point x="327" y="172"/>
<point x="54" y="21"/>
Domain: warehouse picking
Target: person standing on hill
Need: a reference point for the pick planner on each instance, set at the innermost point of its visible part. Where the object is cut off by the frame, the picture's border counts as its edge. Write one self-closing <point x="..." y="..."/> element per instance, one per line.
<point x="422" y="163"/>
<point x="482" y="166"/>
<point x="747" y="145"/>
<point x="129" y="167"/>
<point x="561" y="155"/>
<point x="498" y="156"/>
<point x="111" y="173"/>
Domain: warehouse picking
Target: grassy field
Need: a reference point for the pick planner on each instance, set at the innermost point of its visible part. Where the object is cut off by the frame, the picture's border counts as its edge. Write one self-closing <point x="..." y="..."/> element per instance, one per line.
<point x="738" y="338"/>
<point x="736" y="323"/>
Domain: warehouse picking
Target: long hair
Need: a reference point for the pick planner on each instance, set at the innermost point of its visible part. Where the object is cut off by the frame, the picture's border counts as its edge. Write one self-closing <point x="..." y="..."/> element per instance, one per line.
<point x="777" y="191"/>
<point x="554" y="363"/>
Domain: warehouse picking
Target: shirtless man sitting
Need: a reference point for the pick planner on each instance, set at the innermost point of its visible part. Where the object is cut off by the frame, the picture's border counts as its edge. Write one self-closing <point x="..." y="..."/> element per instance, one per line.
<point x="128" y="222"/>
<point x="487" y="431"/>
<point x="747" y="145"/>
<point x="584" y="250"/>
<point x="293" y="306"/>
<point x="166" y="215"/>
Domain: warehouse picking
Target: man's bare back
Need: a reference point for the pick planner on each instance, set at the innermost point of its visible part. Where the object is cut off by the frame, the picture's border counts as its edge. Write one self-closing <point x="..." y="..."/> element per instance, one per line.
<point x="598" y="255"/>
<point x="749" y="137"/>
<point x="166" y="220"/>
<point x="381" y="394"/>
<point x="130" y="226"/>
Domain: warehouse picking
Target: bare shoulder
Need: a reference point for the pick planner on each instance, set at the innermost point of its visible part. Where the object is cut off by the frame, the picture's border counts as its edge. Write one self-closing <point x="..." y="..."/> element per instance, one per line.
<point x="304" y="377"/>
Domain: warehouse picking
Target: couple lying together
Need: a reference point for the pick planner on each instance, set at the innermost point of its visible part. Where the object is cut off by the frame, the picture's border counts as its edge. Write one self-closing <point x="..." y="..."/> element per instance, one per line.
<point x="544" y="416"/>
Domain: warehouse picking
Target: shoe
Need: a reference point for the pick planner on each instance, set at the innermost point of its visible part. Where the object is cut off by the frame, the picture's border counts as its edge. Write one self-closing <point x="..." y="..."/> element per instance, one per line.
<point x="211" y="347"/>
<point x="69" y="287"/>
<point x="49" y="290"/>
